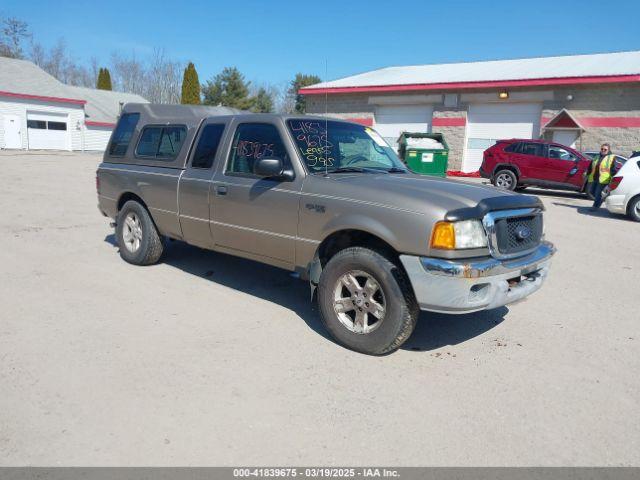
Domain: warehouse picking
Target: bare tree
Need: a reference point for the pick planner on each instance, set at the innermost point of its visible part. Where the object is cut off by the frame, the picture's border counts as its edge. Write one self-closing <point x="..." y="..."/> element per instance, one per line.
<point x="128" y="74"/>
<point x="163" y="79"/>
<point x="12" y="33"/>
<point x="58" y="63"/>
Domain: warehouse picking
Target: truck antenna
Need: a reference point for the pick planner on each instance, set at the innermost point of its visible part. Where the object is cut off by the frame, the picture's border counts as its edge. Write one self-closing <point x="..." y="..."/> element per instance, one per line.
<point x="326" y="120"/>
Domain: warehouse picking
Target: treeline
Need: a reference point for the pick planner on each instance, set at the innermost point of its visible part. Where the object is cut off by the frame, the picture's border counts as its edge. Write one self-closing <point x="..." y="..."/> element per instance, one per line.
<point x="156" y="77"/>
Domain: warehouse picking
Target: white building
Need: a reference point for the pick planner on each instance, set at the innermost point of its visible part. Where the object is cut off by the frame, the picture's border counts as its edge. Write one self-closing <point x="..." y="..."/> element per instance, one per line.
<point x="37" y="112"/>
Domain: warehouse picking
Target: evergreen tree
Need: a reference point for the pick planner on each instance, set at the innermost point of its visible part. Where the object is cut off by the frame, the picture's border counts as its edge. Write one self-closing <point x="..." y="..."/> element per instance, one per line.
<point x="100" y="78"/>
<point x="229" y="89"/>
<point x="104" y="79"/>
<point x="190" y="86"/>
<point x="263" y="101"/>
<point x="301" y="80"/>
<point x="107" y="80"/>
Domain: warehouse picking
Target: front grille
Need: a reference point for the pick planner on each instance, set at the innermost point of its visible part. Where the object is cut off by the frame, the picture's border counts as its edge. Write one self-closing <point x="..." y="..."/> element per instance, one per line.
<point x="518" y="234"/>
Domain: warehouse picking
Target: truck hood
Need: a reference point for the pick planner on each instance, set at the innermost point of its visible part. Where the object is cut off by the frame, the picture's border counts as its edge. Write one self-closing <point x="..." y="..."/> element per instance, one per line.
<point x="454" y="199"/>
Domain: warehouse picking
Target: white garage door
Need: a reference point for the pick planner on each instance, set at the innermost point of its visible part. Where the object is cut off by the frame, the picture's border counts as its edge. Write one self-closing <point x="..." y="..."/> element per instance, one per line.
<point x="489" y="123"/>
<point x="48" y="131"/>
<point x="391" y="121"/>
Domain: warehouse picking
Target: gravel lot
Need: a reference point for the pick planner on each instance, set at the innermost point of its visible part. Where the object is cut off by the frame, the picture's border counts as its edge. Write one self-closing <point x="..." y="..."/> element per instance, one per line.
<point x="207" y="359"/>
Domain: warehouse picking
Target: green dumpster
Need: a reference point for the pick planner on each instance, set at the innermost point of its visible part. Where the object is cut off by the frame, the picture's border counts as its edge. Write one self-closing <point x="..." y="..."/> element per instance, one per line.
<point x="419" y="154"/>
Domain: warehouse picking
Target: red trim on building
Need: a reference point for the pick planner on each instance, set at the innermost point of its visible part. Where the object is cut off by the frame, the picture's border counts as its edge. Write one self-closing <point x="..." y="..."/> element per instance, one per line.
<point x="534" y="82"/>
<point x="43" y="98"/>
<point x="99" y="124"/>
<point x="620" y="122"/>
<point x="595" y="122"/>
<point x="367" y="122"/>
<point x="449" y="121"/>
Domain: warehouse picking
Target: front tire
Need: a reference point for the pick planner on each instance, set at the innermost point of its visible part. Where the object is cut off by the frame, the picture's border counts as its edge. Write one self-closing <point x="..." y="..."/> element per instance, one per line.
<point x="137" y="235"/>
<point x="505" y="179"/>
<point x="633" y="210"/>
<point x="366" y="301"/>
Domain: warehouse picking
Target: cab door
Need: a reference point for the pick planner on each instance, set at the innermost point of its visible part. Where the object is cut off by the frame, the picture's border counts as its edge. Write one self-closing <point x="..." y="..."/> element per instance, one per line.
<point x="194" y="190"/>
<point x="256" y="217"/>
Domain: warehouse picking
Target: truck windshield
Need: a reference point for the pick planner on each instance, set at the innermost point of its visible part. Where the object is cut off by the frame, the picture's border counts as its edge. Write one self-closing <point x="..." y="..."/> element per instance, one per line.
<point x="330" y="146"/>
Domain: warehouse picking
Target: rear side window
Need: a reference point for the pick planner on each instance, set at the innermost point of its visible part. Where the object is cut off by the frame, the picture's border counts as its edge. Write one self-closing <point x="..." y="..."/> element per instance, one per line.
<point x="531" y="149"/>
<point x="207" y="146"/>
<point x="123" y="133"/>
<point x="161" y="142"/>
<point x="513" y="148"/>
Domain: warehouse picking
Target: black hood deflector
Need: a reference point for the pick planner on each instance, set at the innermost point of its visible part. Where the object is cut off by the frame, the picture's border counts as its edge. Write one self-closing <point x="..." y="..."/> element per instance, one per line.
<point x="491" y="204"/>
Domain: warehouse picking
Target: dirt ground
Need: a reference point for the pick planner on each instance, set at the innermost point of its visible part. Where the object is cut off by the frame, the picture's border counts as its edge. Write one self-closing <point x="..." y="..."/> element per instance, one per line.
<point x="207" y="359"/>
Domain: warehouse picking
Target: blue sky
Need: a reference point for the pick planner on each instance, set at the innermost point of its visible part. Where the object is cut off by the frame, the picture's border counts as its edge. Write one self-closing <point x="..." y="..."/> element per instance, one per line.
<point x="269" y="41"/>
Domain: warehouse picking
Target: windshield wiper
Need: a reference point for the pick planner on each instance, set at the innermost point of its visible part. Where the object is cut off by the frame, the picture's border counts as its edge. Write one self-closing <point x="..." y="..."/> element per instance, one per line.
<point x="354" y="169"/>
<point x="396" y="170"/>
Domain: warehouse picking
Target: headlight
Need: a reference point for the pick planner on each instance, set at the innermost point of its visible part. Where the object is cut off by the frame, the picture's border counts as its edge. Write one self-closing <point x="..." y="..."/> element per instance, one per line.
<point x="457" y="235"/>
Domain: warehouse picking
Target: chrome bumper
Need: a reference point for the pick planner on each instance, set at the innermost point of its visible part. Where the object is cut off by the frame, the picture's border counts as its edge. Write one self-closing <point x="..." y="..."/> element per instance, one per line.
<point x="458" y="286"/>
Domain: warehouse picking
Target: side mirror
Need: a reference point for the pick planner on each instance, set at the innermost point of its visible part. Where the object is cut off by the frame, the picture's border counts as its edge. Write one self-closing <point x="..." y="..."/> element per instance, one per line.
<point x="270" y="167"/>
<point x="573" y="171"/>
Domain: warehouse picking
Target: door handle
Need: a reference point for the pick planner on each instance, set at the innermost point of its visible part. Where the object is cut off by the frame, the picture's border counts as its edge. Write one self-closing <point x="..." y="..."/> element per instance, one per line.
<point x="221" y="190"/>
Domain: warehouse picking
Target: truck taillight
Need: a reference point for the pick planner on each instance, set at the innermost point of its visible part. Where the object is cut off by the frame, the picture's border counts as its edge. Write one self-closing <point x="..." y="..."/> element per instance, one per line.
<point x="615" y="181"/>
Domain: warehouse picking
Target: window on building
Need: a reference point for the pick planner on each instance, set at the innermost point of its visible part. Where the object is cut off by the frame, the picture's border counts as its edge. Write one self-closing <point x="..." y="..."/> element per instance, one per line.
<point x="480" y="143"/>
<point x="207" y="146"/>
<point x="57" y="125"/>
<point x="251" y="142"/>
<point x="161" y="142"/>
<point x="38" y="124"/>
<point x="123" y="133"/>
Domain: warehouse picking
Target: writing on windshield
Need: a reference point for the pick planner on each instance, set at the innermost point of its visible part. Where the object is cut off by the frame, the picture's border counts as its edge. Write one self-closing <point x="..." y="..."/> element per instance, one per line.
<point x="313" y="141"/>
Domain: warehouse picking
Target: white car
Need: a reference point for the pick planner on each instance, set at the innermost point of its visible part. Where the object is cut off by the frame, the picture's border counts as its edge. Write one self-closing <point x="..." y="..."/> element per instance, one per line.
<point x="624" y="190"/>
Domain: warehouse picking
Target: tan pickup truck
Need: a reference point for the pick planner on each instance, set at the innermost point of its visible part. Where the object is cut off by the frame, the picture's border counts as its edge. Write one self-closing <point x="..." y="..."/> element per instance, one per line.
<point x="327" y="199"/>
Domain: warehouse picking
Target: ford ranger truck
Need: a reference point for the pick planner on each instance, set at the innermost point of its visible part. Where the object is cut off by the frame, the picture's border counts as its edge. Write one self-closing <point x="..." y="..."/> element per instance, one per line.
<point x="327" y="199"/>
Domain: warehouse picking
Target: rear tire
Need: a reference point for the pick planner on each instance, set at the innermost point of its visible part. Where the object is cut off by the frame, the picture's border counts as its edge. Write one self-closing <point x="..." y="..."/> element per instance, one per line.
<point x="633" y="210"/>
<point x="505" y="179"/>
<point x="137" y="235"/>
<point x="366" y="301"/>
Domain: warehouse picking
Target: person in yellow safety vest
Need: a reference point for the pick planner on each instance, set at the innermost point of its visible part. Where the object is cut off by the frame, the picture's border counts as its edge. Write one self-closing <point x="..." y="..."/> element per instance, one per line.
<point x="600" y="171"/>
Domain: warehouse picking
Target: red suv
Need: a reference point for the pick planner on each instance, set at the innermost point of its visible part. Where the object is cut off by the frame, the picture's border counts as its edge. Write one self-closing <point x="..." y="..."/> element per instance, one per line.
<point x="518" y="163"/>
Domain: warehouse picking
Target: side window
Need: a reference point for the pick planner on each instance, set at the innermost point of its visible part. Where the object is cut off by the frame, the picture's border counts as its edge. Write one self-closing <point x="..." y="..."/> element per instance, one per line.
<point x="207" y="146"/>
<point x="123" y="133"/>
<point x="513" y="148"/>
<point x="251" y="142"/>
<point x="531" y="149"/>
<point x="560" y="153"/>
<point x="163" y="143"/>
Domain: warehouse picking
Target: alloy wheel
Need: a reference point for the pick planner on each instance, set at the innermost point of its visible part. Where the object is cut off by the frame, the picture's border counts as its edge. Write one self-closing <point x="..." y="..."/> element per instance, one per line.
<point x="359" y="302"/>
<point x="132" y="232"/>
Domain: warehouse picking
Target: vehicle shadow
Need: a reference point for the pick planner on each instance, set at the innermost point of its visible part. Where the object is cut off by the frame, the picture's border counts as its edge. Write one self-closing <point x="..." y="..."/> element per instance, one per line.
<point x="437" y="330"/>
<point x="275" y="285"/>
<point x="555" y="193"/>
<point x="601" y="212"/>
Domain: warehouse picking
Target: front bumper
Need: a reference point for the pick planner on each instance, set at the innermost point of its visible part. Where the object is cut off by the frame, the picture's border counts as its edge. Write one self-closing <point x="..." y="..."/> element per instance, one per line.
<point x="615" y="203"/>
<point x="459" y="286"/>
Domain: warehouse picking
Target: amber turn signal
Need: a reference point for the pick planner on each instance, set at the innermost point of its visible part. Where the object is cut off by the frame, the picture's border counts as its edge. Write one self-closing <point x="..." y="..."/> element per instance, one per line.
<point x="443" y="236"/>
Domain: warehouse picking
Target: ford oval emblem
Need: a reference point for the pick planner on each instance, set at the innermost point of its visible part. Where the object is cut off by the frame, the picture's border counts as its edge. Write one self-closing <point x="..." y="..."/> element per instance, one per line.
<point x="522" y="233"/>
